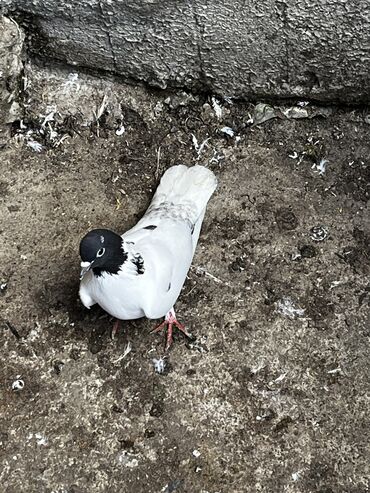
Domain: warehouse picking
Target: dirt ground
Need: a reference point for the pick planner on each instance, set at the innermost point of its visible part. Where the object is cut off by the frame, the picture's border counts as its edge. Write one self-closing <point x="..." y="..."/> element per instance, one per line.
<point x="274" y="394"/>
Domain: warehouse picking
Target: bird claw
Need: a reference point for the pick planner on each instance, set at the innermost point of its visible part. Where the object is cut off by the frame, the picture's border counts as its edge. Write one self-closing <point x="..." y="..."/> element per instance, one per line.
<point x="171" y="321"/>
<point x="115" y="329"/>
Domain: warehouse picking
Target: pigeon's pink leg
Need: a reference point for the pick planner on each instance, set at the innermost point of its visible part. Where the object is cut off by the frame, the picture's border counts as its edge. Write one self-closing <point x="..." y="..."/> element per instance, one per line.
<point x="170" y="321"/>
<point x="115" y="328"/>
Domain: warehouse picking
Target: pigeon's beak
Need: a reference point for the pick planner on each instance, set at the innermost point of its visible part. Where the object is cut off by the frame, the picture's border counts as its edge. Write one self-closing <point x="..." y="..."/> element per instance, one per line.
<point x="85" y="267"/>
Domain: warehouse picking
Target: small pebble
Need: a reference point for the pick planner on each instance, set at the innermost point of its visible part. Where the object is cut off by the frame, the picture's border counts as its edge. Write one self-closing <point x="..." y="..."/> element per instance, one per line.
<point x="18" y="385"/>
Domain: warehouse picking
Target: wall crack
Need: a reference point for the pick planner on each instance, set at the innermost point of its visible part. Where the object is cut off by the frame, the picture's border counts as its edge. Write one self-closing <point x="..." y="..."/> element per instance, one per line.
<point x="108" y="35"/>
<point x="199" y="37"/>
<point x="282" y="8"/>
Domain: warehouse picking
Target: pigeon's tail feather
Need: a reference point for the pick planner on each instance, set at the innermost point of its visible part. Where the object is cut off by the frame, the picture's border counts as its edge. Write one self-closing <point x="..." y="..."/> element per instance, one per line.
<point x="186" y="188"/>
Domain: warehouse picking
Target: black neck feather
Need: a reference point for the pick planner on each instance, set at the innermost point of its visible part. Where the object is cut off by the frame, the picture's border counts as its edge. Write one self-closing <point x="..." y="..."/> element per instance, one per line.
<point x="115" y="259"/>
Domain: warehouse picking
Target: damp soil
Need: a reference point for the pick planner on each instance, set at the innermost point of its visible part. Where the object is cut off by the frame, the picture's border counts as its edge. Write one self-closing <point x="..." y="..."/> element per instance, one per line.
<point x="273" y="394"/>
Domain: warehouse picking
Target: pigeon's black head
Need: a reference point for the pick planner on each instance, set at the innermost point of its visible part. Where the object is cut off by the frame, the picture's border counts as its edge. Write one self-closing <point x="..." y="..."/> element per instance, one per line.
<point x="101" y="250"/>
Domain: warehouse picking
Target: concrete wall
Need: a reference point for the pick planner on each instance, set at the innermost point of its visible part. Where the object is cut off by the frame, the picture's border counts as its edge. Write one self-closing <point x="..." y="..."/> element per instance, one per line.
<point x="242" y="48"/>
<point x="11" y="43"/>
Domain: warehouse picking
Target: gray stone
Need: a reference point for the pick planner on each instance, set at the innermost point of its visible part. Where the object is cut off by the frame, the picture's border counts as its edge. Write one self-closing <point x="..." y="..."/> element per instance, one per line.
<point x="308" y="48"/>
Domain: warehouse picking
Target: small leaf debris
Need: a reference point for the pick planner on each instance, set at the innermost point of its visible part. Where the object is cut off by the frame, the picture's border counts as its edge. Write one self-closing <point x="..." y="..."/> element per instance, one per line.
<point x="320" y="167"/>
<point x="217" y="108"/>
<point x="228" y="131"/>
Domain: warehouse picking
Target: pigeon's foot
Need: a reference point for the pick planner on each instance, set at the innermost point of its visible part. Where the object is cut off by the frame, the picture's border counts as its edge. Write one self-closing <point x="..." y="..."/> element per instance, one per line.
<point x="115" y="328"/>
<point x="169" y="322"/>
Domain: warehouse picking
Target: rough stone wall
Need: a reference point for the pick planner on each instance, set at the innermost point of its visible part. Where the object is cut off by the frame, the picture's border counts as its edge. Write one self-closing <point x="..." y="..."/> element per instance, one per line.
<point x="318" y="49"/>
<point x="11" y="43"/>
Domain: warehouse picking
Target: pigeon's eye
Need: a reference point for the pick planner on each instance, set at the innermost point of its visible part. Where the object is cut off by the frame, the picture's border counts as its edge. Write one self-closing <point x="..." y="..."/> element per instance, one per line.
<point x="100" y="252"/>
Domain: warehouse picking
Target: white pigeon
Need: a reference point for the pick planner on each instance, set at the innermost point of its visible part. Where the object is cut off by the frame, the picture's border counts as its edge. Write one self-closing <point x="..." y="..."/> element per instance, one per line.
<point x="141" y="273"/>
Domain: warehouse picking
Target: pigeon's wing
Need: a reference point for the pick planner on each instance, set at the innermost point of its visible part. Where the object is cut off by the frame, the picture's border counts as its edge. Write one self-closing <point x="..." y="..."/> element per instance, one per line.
<point x="182" y="195"/>
<point x="159" y="261"/>
<point x="164" y="240"/>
